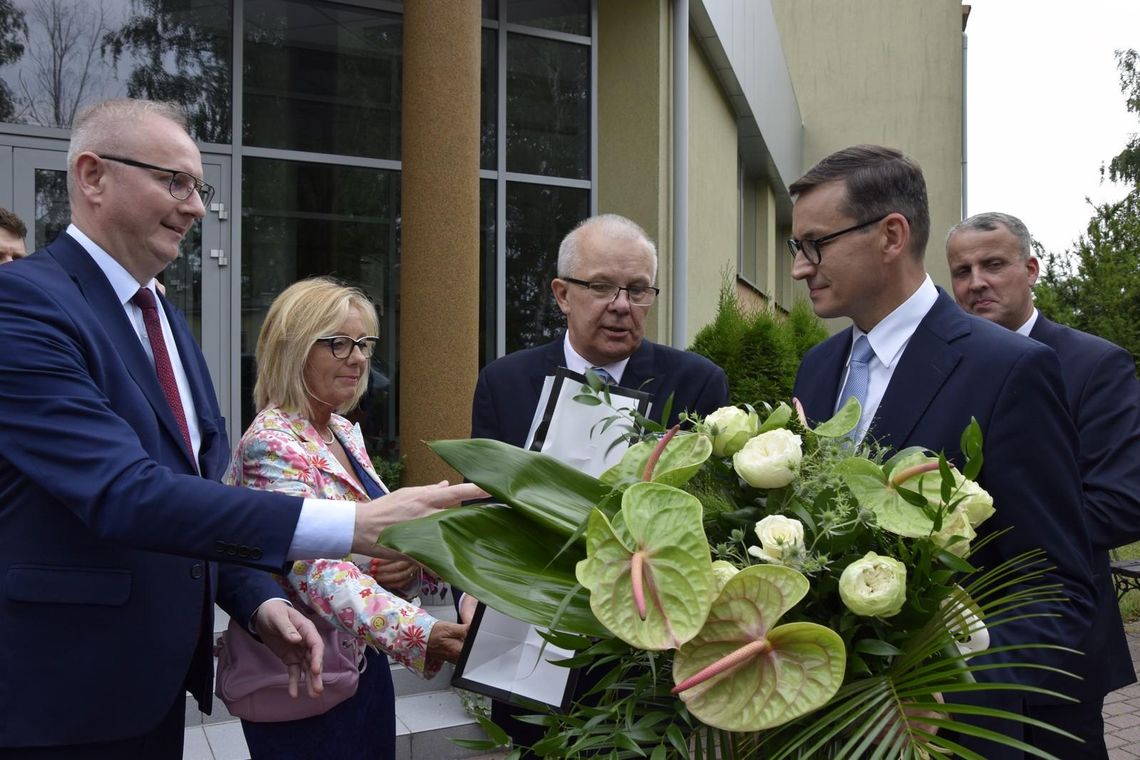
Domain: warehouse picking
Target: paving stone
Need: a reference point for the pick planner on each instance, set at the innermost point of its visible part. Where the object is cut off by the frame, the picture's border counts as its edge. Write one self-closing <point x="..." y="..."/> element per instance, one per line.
<point x="1116" y="708"/>
<point x="227" y="741"/>
<point x="1122" y="720"/>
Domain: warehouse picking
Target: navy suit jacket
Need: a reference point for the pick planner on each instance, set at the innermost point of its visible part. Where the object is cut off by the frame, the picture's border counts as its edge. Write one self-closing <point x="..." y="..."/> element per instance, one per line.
<point x="1104" y="400"/>
<point x="106" y="594"/>
<point x="507" y="392"/>
<point x="957" y="366"/>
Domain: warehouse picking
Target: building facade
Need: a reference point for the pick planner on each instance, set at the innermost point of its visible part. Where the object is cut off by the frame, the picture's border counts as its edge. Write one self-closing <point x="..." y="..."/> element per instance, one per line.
<point x="434" y="152"/>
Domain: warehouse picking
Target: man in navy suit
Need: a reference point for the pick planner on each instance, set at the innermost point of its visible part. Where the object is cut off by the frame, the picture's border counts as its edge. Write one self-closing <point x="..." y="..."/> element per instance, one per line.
<point x="993" y="270"/>
<point x="111" y="522"/>
<point x="861" y="222"/>
<point x="606" y="269"/>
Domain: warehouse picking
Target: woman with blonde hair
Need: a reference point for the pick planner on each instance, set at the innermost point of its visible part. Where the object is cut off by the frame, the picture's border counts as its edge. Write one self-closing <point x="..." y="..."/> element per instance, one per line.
<point x="312" y="366"/>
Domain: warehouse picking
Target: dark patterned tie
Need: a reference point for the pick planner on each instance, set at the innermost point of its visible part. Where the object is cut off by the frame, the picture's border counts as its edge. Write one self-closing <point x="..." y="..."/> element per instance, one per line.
<point x="144" y="299"/>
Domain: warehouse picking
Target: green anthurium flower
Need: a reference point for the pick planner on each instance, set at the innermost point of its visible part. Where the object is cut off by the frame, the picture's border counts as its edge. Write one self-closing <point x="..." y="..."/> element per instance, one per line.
<point x="680" y="461"/>
<point x="649" y="573"/>
<point x="873" y="491"/>
<point x="842" y="423"/>
<point x="743" y="672"/>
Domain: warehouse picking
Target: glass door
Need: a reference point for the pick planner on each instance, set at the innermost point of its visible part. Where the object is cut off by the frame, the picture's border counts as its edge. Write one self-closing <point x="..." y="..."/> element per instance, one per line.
<point x="197" y="282"/>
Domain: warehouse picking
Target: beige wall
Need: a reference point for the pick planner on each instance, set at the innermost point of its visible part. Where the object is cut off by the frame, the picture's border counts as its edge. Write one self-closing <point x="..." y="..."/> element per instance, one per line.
<point x="633" y="135"/>
<point x="888" y="72"/>
<point x="714" y="192"/>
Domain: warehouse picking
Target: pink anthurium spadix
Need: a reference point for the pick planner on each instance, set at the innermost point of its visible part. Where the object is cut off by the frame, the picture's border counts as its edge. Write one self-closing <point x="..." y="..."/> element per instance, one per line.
<point x="676" y="461"/>
<point x="743" y="672"/>
<point x="649" y="572"/>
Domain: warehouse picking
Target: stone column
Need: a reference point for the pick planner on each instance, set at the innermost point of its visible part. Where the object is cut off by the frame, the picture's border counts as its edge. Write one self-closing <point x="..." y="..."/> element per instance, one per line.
<point x="439" y="252"/>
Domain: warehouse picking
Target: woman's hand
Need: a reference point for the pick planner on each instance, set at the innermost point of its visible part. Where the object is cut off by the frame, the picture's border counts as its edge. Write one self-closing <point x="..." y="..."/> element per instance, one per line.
<point x="446" y="641"/>
<point x="397" y="575"/>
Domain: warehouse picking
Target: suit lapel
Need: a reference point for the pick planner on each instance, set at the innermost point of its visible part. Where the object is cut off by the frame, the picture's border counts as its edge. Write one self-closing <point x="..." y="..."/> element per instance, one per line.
<point x="818" y="392"/>
<point x="100" y="296"/>
<point x="926" y="363"/>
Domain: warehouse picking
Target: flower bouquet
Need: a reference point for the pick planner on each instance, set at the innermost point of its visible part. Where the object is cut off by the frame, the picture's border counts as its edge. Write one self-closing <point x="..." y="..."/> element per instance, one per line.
<point x="751" y="587"/>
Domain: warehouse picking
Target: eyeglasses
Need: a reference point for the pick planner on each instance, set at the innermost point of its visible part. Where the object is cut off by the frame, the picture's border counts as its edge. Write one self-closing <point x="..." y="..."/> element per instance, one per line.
<point x="639" y="295"/>
<point x="811" y="248"/>
<point x="181" y="183"/>
<point x="342" y="345"/>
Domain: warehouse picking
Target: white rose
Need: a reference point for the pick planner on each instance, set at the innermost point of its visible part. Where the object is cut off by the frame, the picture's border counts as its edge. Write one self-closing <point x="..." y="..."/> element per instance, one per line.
<point x="730" y="427"/>
<point x="770" y="460"/>
<point x="781" y="539"/>
<point x="977" y="503"/>
<point x="957" y="523"/>
<point x="874" y="586"/>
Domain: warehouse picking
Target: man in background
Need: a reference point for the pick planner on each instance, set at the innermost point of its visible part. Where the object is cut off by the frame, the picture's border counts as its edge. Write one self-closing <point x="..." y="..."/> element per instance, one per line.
<point x="606" y="269"/>
<point x="993" y="270"/>
<point x="12" y="232"/>
<point x="922" y="369"/>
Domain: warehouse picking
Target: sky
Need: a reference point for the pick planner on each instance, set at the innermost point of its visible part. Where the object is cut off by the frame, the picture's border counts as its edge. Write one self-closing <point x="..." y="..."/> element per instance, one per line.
<point x="1045" y="110"/>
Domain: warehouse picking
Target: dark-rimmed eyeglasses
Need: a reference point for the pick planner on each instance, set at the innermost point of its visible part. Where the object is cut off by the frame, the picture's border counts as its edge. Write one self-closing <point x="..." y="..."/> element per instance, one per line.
<point x="342" y="345"/>
<point x="811" y="248"/>
<point x="181" y="183"/>
<point x="639" y="295"/>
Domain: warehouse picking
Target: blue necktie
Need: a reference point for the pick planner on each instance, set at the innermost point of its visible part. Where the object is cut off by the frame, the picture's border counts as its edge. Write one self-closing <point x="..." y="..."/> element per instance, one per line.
<point x="858" y="374"/>
<point x="603" y="375"/>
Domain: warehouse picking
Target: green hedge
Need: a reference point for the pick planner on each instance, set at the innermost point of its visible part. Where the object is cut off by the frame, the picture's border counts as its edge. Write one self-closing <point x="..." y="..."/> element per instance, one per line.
<point x="759" y="350"/>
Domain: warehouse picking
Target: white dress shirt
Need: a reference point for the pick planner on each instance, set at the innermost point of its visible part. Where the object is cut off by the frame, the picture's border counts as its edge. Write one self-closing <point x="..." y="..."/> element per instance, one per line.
<point x="575" y="362"/>
<point x="888" y="340"/>
<point x="1027" y="328"/>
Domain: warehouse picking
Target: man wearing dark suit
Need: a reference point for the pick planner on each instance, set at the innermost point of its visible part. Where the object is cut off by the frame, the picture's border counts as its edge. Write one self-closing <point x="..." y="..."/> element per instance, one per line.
<point x="993" y="270"/>
<point x="861" y="221"/>
<point x="606" y="269"/>
<point x="111" y="522"/>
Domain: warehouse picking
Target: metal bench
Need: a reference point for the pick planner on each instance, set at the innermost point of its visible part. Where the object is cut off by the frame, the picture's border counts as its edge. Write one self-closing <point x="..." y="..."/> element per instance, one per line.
<point x="1126" y="576"/>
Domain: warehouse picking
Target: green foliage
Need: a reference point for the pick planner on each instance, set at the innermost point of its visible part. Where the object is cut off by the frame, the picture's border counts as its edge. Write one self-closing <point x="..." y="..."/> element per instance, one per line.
<point x="761" y="350"/>
<point x="1096" y="288"/>
<point x="1125" y="167"/>
<point x="391" y="471"/>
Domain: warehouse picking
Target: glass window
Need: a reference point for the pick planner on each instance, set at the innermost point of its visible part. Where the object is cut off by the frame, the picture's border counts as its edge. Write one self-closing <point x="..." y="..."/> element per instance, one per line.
<point x="488" y="102"/>
<point x="570" y="16"/>
<point x="548" y="107"/>
<point x="304" y="219"/>
<point x="488" y="271"/>
<point x="322" y="77"/>
<point x="53" y="210"/>
<point x="748" y="250"/>
<point x="60" y="56"/>
<point x="490" y="9"/>
<point x="538" y="217"/>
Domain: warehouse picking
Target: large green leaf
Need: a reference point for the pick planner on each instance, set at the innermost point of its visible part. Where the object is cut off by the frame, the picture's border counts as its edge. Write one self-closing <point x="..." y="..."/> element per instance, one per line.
<point x="842" y="423"/>
<point x="658" y="544"/>
<point x="679" y="462"/>
<point x="796" y="667"/>
<point x="540" y="486"/>
<point x="503" y="559"/>
<point x="872" y="490"/>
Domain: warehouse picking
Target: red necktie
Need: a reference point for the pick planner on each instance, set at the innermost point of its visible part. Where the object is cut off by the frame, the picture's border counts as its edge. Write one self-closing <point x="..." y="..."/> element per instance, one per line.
<point x="144" y="299"/>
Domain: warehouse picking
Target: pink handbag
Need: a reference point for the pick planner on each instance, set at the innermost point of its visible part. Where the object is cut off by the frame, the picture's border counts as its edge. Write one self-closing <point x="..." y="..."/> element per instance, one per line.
<point x="254" y="683"/>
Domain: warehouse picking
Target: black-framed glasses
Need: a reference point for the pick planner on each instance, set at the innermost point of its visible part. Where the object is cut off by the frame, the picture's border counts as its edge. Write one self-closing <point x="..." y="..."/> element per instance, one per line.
<point x="342" y="345"/>
<point x="811" y="248"/>
<point x="639" y="295"/>
<point x="181" y="183"/>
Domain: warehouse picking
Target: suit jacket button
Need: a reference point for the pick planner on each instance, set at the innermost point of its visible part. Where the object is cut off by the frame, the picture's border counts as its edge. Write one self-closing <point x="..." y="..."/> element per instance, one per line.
<point x="196" y="571"/>
<point x="255" y="553"/>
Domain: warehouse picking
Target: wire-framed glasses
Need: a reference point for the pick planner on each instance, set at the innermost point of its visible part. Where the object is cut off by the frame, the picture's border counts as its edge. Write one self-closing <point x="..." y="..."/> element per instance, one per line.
<point x="639" y="295"/>
<point x="181" y="183"/>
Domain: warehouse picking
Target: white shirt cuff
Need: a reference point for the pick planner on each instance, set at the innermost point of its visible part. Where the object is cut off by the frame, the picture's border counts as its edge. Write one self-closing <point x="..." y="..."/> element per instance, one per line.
<point x="324" y="529"/>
